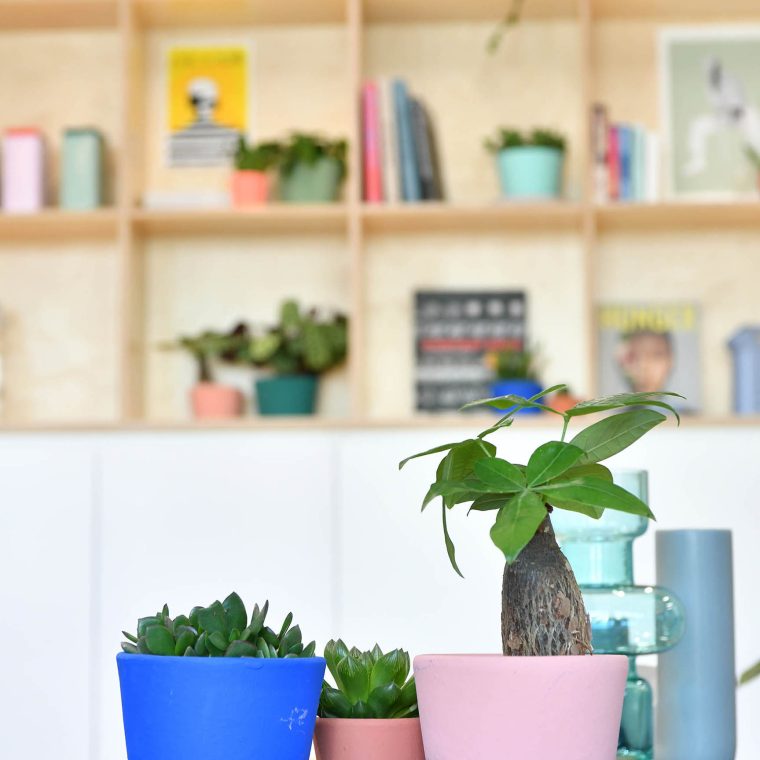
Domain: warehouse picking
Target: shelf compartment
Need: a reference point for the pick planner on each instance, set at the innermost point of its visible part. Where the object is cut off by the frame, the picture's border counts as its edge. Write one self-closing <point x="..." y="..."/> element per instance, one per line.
<point x="58" y="224"/>
<point x="270" y="218"/>
<point x="675" y="10"/>
<point x="426" y="217"/>
<point x="644" y="216"/>
<point x="57" y="14"/>
<point x="393" y="11"/>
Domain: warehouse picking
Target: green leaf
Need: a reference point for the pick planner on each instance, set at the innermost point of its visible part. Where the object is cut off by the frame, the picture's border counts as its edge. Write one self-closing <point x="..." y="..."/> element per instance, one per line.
<point x="130" y="637"/>
<point x="591" y="470"/>
<point x="500" y="475"/>
<point x="159" y="640"/>
<point x="459" y="463"/>
<point x="200" y="646"/>
<point x="309" y="649"/>
<point x="551" y="460"/>
<point x="512" y="403"/>
<point x="355" y="679"/>
<point x="290" y="639"/>
<point x="212" y="619"/>
<point x="218" y="640"/>
<point x="241" y="649"/>
<point x="611" y="435"/>
<point x="186" y="637"/>
<point x="750" y="673"/>
<point x="376" y="653"/>
<point x="362" y="711"/>
<point x="129" y="648"/>
<point x="383" y="698"/>
<point x="434" y="450"/>
<point x="333" y="703"/>
<point x="594" y="492"/>
<point x="453" y="491"/>
<point x="621" y="400"/>
<point x="285" y="625"/>
<point x="450" y="550"/>
<point x="406" y="705"/>
<point x="258" y="616"/>
<point x="335" y="651"/>
<point x="487" y="502"/>
<point x="517" y="523"/>
<point x="390" y="668"/>
<point x="144" y="623"/>
<point x="237" y="617"/>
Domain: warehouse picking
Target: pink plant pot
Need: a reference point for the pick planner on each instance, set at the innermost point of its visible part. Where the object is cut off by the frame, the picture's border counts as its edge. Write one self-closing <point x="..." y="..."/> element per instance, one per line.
<point x="249" y="188"/>
<point x="490" y="707"/>
<point x="214" y="401"/>
<point x="359" y="739"/>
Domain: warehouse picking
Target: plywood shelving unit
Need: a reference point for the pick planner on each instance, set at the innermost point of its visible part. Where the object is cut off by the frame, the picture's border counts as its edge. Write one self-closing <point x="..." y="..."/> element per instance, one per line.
<point x="310" y="60"/>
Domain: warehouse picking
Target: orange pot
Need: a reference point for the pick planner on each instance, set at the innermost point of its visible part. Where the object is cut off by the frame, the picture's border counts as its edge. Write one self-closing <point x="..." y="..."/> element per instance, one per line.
<point x="214" y="401"/>
<point x="249" y="188"/>
<point x="368" y="739"/>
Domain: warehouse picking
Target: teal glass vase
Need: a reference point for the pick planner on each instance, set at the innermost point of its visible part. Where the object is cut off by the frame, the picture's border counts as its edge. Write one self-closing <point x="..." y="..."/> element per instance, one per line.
<point x="625" y="618"/>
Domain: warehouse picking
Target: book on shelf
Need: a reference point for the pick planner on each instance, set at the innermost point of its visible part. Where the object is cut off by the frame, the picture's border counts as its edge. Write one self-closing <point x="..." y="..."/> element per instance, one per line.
<point x="626" y="160"/>
<point x="650" y="347"/>
<point x="453" y="332"/>
<point x="400" y="161"/>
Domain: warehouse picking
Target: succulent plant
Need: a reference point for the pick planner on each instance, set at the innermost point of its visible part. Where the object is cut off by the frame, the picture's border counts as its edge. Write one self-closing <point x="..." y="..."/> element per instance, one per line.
<point x="304" y="148"/>
<point x="370" y="684"/>
<point x="210" y="345"/>
<point x="259" y="158"/>
<point x="219" y="630"/>
<point x="513" y="364"/>
<point x="513" y="138"/>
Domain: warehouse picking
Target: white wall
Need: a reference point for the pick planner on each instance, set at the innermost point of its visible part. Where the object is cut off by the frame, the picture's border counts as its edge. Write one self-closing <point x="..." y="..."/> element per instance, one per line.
<point x="96" y="529"/>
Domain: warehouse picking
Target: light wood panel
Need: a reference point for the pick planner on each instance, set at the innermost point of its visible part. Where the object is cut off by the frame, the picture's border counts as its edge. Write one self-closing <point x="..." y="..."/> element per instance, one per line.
<point x="57" y="224"/>
<point x="57" y="14"/>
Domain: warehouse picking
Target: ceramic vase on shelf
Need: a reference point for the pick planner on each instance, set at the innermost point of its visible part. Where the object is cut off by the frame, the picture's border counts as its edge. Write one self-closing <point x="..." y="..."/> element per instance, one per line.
<point x="287" y="394"/>
<point x="214" y="401"/>
<point x="530" y="172"/>
<point x="249" y="188"/>
<point x="317" y="182"/>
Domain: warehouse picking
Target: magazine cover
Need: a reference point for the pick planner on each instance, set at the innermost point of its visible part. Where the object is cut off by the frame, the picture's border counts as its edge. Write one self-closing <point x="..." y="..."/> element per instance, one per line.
<point x="650" y="347"/>
<point x="453" y="332"/>
<point x="207" y="89"/>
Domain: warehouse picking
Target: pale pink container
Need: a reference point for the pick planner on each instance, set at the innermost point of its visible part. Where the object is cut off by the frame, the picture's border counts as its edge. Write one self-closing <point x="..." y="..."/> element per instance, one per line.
<point x="213" y="401"/>
<point x="23" y="171"/>
<point x="359" y="739"/>
<point x="490" y="707"/>
<point x="249" y="188"/>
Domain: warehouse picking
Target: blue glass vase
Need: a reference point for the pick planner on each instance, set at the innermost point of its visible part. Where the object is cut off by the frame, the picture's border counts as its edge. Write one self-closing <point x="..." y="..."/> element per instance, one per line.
<point x="625" y="618"/>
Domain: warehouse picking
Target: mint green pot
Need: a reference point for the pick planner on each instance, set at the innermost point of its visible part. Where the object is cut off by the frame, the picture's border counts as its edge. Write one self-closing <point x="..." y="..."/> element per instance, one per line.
<point x="287" y="394"/>
<point x="530" y="172"/>
<point x="311" y="183"/>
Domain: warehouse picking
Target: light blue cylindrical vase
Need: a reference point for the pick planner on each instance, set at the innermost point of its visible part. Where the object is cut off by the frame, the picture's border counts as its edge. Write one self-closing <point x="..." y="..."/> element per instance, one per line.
<point x="530" y="172"/>
<point x="82" y="169"/>
<point x="696" y="710"/>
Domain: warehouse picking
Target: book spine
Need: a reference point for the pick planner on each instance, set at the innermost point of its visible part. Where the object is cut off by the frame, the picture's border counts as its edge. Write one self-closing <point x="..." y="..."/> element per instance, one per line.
<point x="373" y="179"/>
<point x="638" y="158"/>
<point x="422" y="150"/>
<point x="410" y="181"/>
<point x="625" y="149"/>
<point x="600" y="153"/>
<point x="613" y="163"/>
<point x="388" y="148"/>
<point x="438" y="192"/>
<point x="652" y="170"/>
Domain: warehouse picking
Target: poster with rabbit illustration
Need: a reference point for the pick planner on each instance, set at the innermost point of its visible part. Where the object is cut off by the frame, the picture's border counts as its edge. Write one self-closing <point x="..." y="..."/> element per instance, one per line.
<point x="711" y="110"/>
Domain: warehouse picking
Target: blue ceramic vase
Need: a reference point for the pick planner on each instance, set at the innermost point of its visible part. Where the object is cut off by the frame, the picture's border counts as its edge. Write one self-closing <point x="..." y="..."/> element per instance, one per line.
<point x="530" y="172"/>
<point x="524" y="388"/>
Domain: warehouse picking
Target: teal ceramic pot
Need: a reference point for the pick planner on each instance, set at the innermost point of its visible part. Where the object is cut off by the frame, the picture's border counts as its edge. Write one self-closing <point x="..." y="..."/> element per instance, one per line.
<point x="311" y="183"/>
<point x="287" y="394"/>
<point x="530" y="172"/>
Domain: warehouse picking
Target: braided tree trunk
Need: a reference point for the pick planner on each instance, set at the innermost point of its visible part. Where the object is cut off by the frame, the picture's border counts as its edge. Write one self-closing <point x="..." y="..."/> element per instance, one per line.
<point x="542" y="608"/>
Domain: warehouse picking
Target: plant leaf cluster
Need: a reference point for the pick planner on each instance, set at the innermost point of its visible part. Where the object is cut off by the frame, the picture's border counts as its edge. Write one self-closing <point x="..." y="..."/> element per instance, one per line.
<point x="307" y="149"/>
<point x="210" y="345"/>
<point x="369" y="684"/>
<point x="256" y="157"/>
<point x="559" y="474"/>
<point x="507" y="137"/>
<point x="515" y="365"/>
<point x="223" y="629"/>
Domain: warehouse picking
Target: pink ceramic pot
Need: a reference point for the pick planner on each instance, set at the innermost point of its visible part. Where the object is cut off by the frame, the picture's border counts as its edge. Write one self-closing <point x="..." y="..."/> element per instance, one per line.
<point x="357" y="739"/>
<point x="214" y="401"/>
<point x="489" y="707"/>
<point x="249" y="188"/>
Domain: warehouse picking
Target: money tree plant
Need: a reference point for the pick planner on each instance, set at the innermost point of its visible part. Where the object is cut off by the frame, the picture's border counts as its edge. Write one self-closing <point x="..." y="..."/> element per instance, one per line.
<point x="369" y="684"/>
<point x="220" y="630"/>
<point x="542" y="607"/>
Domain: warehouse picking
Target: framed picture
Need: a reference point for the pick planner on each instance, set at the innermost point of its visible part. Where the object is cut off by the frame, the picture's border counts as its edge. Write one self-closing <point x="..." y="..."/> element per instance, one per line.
<point x="710" y="87"/>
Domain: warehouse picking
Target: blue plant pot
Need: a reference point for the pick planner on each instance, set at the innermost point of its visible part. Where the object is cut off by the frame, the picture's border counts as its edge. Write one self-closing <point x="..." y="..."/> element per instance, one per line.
<point x="287" y="394"/>
<point x="219" y="708"/>
<point x="525" y="388"/>
<point x="530" y="172"/>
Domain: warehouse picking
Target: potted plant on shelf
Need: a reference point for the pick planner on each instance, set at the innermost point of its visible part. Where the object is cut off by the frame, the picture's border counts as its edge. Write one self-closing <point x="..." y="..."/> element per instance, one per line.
<point x="532" y="700"/>
<point x="250" y="180"/>
<point x="516" y="374"/>
<point x="298" y="349"/>
<point x="218" y="684"/>
<point x="312" y="169"/>
<point x="529" y="165"/>
<point x="372" y="714"/>
<point x="211" y="400"/>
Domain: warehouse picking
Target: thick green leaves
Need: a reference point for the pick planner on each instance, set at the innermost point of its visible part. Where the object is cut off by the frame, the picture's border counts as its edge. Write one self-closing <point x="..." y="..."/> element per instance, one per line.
<point x="237" y="617"/>
<point x="241" y="649"/>
<point x="213" y="618"/>
<point x="333" y="704"/>
<point x="500" y="475"/>
<point x="382" y="698"/>
<point x="611" y="435"/>
<point x="450" y="549"/>
<point x="516" y="523"/>
<point x="551" y="460"/>
<point x="621" y="400"/>
<point x="159" y="640"/>
<point x="587" y="470"/>
<point x="354" y="679"/>
<point x="595" y="493"/>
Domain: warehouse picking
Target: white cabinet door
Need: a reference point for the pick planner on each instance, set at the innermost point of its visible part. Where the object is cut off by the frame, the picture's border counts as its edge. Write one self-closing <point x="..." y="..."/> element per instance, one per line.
<point x="46" y="501"/>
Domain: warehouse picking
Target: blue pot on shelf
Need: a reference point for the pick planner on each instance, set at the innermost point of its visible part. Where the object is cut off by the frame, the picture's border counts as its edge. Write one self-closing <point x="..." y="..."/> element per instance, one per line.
<point x="516" y="387"/>
<point x="219" y="708"/>
<point x="530" y="172"/>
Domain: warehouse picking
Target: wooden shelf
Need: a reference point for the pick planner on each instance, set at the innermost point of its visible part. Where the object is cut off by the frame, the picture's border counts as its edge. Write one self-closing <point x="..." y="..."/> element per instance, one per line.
<point x="389" y="11"/>
<point x="58" y="225"/>
<point x="57" y="14"/>
<point x="676" y="10"/>
<point x="644" y="216"/>
<point x="291" y="219"/>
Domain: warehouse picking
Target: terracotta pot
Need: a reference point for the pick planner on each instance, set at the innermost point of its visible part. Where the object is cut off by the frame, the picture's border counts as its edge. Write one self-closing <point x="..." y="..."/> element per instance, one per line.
<point x="249" y="188"/>
<point x="490" y="707"/>
<point x="561" y="402"/>
<point x="358" y="739"/>
<point x="215" y="401"/>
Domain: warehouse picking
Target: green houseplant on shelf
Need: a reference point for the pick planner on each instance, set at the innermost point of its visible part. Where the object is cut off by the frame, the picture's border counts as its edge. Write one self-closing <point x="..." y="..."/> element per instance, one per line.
<point x="216" y="683"/>
<point x="529" y="164"/>
<point x="312" y="169"/>
<point x="371" y="712"/>
<point x="297" y="350"/>
<point x="516" y="374"/>
<point x="250" y="179"/>
<point x="475" y="704"/>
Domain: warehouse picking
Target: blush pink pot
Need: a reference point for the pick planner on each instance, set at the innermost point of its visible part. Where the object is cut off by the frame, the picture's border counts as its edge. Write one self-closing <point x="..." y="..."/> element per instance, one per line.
<point x="359" y="739"/>
<point x="212" y="401"/>
<point x="249" y="188"/>
<point x="490" y="707"/>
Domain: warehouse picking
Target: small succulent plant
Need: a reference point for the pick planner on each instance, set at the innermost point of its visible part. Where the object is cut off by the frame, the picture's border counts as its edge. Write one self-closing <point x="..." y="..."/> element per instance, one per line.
<point x="219" y="630"/>
<point x="370" y="684"/>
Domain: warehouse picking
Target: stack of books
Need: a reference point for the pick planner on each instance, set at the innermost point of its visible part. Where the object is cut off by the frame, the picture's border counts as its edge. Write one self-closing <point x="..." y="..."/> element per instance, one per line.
<point x="399" y="154"/>
<point x="626" y="160"/>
